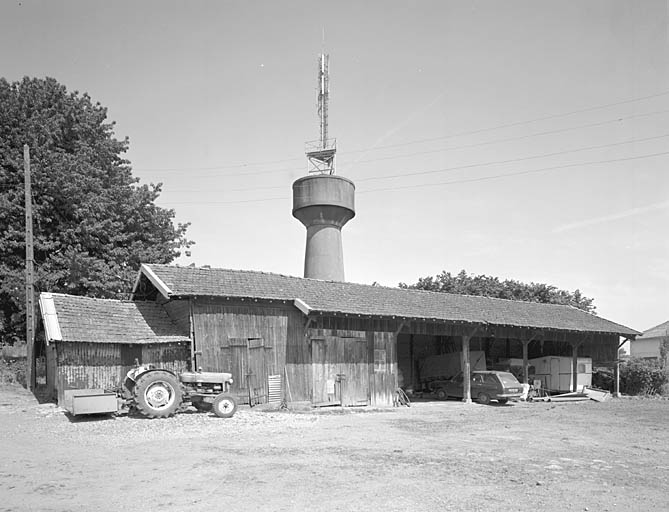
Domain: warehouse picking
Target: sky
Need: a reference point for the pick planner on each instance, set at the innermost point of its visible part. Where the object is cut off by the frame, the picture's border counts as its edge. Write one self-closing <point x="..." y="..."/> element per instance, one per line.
<point x="527" y="140"/>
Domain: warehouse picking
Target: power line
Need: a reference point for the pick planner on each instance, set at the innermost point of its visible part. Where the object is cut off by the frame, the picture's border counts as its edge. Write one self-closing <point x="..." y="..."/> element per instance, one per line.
<point x="512" y="160"/>
<point x="420" y="141"/>
<point x="519" y="137"/>
<point x="467" y="146"/>
<point x="519" y="173"/>
<point x="462" y="167"/>
<point x="519" y="123"/>
<point x="452" y="182"/>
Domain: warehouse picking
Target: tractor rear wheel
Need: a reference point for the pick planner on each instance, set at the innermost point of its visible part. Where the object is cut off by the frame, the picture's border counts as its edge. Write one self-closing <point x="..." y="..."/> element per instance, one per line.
<point x="224" y="406"/>
<point x="157" y="394"/>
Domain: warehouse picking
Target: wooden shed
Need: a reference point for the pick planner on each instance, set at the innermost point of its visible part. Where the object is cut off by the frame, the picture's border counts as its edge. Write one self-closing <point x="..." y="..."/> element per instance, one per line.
<point x="92" y="343"/>
<point x="353" y="344"/>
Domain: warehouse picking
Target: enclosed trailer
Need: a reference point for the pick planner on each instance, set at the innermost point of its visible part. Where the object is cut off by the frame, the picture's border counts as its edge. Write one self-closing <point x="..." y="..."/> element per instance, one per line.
<point x="556" y="372"/>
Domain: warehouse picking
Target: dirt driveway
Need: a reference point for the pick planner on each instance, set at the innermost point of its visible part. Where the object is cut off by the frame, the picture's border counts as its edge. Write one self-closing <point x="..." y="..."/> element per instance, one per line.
<point x="433" y="456"/>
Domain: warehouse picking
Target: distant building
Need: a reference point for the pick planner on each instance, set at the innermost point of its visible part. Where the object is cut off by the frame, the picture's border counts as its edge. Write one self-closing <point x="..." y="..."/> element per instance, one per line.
<point x="647" y="346"/>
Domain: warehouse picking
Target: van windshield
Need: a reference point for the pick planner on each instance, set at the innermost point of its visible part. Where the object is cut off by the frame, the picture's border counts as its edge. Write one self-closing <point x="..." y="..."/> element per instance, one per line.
<point x="508" y="379"/>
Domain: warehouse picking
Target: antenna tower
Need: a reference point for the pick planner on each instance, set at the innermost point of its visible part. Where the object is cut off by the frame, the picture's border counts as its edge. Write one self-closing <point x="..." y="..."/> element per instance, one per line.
<point x="321" y="153"/>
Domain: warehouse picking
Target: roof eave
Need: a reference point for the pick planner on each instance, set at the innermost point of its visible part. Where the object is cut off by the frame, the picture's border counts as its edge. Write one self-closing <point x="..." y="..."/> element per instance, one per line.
<point x="160" y="285"/>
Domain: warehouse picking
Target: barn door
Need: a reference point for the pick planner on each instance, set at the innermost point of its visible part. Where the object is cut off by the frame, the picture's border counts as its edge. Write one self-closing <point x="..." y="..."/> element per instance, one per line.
<point x="248" y="359"/>
<point x="340" y="371"/>
<point x="239" y="366"/>
<point x="256" y="377"/>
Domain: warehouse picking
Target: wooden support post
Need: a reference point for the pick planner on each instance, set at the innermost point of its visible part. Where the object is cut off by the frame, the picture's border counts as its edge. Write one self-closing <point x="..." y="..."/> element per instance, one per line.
<point x="574" y="363"/>
<point x="616" y="370"/>
<point x="402" y="325"/>
<point x="466" y="367"/>
<point x="574" y="366"/>
<point x="466" y="371"/>
<point x="526" y="373"/>
<point x="306" y="327"/>
<point x="526" y="344"/>
<point x="30" y="275"/>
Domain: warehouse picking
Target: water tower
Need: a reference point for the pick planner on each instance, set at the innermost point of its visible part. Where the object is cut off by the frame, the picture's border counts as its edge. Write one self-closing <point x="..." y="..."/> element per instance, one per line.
<point x="322" y="201"/>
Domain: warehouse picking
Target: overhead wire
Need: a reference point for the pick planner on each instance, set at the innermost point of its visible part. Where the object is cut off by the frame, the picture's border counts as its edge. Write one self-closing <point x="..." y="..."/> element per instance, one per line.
<point x="420" y="141"/>
<point x="466" y="146"/>
<point x="469" y="166"/>
<point x="452" y="182"/>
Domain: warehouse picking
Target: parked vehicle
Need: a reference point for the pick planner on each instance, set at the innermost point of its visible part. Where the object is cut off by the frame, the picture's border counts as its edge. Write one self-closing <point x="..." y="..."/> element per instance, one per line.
<point x="157" y="393"/>
<point x="485" y="386"/>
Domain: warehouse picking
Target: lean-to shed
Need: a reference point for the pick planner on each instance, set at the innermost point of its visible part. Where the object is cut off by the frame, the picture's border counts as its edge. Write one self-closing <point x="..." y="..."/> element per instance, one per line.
<point x="338" y="342"/>
<point x="92" y="343"/>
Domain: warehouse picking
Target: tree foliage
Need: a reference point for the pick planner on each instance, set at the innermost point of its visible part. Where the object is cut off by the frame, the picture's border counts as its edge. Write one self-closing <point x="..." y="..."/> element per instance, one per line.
<point x="488" y="286"/>
<point x="642" y="377"/>
<point x="93" y="222"/>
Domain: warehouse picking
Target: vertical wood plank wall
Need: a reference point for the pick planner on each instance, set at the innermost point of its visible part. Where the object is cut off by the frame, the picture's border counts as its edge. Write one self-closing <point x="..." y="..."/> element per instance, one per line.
<point x="239" y="339"/>
<point x="383" y="367"/>
<point x="179" y="312"/>
<point x="219" y="324"/>
<point x="104" y="365"/>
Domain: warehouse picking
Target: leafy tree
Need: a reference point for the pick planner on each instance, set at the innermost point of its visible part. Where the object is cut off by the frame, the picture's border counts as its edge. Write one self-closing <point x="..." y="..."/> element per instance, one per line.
<point x="642" y="377"/>
<point x="488" y="286"/>
<point x="664" y="349"/>
<point x="93" y="222"/>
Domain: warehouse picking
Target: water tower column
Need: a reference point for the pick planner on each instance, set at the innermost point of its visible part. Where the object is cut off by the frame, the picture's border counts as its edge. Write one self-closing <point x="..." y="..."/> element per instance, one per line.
<point x="324" y="203"/>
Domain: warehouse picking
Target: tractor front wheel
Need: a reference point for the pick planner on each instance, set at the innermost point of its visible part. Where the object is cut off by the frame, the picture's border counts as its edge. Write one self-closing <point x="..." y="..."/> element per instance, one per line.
<point x="157" y="394"/>
<point x="224" y="406"/>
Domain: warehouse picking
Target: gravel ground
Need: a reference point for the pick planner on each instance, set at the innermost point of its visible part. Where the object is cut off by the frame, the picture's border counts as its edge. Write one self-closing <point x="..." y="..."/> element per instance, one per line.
<point x="432" y="456"/>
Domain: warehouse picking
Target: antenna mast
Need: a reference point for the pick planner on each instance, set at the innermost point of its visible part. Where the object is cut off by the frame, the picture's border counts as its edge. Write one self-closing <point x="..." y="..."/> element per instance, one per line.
<point x="321" y="153"/>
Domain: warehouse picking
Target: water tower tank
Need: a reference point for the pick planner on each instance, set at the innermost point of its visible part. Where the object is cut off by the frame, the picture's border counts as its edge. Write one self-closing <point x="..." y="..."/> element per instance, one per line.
<point x="324" y="203"/>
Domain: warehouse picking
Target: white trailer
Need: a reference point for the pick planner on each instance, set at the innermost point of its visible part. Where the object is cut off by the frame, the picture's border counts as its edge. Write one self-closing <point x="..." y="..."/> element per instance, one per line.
<point x="556" y="372"/>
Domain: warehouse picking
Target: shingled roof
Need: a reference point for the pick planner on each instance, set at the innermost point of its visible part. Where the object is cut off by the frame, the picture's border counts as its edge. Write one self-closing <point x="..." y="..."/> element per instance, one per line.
<point x="88" y="320"/>
<point x="380" y="301"/>
<point x="655" y="332"/>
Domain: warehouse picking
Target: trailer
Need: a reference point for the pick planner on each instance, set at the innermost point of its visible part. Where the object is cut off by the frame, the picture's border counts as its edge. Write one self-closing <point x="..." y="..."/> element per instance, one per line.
<point x="556" y="373"/>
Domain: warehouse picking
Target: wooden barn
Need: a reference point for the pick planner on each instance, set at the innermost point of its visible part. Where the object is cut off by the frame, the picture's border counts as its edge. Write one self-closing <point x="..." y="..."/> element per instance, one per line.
<point x="92" y="343"/>
<point x="352" y="344"/>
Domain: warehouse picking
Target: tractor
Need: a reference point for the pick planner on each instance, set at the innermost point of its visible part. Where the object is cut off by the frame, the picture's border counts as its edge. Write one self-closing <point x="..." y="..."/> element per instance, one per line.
<point x="158" y="393"/>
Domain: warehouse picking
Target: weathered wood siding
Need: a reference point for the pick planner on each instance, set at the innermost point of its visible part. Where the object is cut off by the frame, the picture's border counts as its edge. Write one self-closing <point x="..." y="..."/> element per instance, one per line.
<point x="299" y="371"/>
<point x="366" y="359"/>
<point x="100" y="366"/>
<point x="340" y="367"/>
<point x="247" y="340"/>
<point x="383" y="367"/>
<point x="179" y="312"/>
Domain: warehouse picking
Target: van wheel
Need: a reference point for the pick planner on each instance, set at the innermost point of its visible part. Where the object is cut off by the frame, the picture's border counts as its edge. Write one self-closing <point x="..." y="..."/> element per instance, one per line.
<point x="441" y="394"/>
<point x="484" y="398"/>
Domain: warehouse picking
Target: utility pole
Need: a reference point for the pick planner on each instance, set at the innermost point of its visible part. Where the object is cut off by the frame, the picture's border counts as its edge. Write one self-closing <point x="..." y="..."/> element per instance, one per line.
<point x="30" y="275"/>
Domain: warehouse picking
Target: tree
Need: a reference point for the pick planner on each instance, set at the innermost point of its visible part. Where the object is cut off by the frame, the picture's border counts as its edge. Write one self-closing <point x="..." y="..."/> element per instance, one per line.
<point x="93" y="222"/>
<point x="664" y="349"/>
<point x="488" y="286"/>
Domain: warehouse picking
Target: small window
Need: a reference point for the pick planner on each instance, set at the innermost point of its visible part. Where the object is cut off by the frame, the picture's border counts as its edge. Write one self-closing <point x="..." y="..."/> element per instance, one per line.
<point x="580" y="368"/>
<point x="379" y="360"/>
